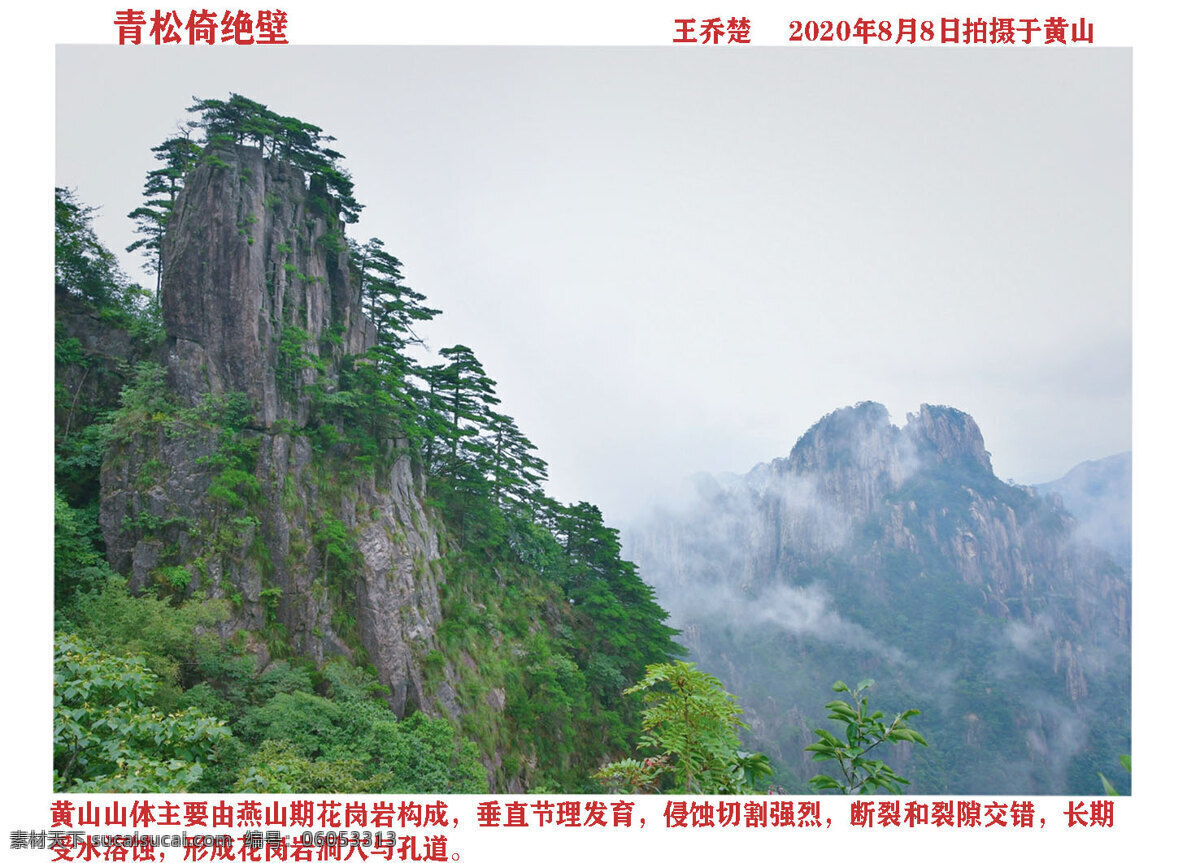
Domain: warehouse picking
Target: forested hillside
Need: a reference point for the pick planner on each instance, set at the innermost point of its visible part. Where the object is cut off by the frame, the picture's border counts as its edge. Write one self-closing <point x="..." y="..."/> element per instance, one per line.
<point x="290" y="554"/>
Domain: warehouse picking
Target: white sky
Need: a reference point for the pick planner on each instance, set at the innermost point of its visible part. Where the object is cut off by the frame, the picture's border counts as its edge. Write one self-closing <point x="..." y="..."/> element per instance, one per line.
<point x="675" y="261"/>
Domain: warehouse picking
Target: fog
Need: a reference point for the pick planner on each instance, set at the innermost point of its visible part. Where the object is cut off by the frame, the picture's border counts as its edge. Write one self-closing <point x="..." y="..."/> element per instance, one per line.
<point x="838" y="563"/>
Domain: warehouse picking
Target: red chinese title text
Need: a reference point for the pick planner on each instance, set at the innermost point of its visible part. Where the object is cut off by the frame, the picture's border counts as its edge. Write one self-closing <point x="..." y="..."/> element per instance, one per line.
<point x="201" y="27"/>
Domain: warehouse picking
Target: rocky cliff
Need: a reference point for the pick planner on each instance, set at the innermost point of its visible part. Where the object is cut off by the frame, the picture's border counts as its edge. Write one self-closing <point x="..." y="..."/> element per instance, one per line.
<point x="214" y="490"/>
<point x="895" y="553"/>
<point x="251" y="255"/>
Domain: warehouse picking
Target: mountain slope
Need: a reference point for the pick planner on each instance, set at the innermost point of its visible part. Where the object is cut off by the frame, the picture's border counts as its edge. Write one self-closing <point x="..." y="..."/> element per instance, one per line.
<point x="895" y="553"/>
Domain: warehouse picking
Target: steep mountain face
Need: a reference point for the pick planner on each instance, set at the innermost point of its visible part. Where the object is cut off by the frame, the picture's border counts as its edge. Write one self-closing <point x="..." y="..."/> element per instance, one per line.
<point x="248" y="258"/>
<point x="895" y="553"/>
<point x="255" y="283"/>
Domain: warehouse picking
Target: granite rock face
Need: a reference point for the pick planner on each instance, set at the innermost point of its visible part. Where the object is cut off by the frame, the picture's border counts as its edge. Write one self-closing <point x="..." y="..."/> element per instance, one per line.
<point x="246" y="256"/>
<point x="256" y="283"/>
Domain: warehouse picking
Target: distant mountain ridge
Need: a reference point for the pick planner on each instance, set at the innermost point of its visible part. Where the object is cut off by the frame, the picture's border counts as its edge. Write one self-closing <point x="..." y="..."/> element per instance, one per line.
<point x="1100" y="495"/>
<point x="873" y="550"/>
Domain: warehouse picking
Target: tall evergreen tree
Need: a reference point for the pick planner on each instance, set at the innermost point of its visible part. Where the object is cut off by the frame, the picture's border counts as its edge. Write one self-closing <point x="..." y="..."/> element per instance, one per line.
<point x="392" y="305"/>
<point x="629" y="625"/>
<point x="469" y="395"/>
<point x="178" y="155"/>
<point x="515" y="473"/>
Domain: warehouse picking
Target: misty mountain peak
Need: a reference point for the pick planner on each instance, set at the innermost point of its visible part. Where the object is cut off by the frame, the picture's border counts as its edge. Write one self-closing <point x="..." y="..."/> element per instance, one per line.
<point x="863" y="436"/>
<point x="848" y="437"/>
<point x="898" y="550"/>
<point x="861" y="456"/>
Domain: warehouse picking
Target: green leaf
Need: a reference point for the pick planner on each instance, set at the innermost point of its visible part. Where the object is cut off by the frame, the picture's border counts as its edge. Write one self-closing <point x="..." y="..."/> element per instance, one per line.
<point x="864" y="731"/>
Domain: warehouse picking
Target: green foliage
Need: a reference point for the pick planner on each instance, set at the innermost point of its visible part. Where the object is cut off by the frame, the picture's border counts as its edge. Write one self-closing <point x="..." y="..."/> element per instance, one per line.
<point x="243" y="121"/>
<point x="94" y="300"/>
<point x="694" y="727"/>
<point x="389" y="303"/>
<point x="358" y="732"/>
<point x="144" y="403"/>
<point x="632" y="775"/>
<point x="78" y="566"/>
<point x="168" y="638"/>
<point x="107" y="736"/>
<point x="277" y="768"/>
<point x="294" y="357"/>
<point x="1109" y="788"/>
<point x="863" y="733"/>
<point x="232" y="681"/>
<point x="617" y="609"/>
<point x="339" y="557"/>
<point x="85" y="389"/>
<point x="235" y="459"/>
<point x="373" y="397"/>
<point x="84" y="267"/>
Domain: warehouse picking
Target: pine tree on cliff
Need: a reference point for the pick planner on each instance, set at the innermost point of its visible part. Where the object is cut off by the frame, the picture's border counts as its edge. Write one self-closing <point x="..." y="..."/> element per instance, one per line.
<point x="623" y="618"/>
<point x="461" y="399"/>
<point x="389" y="376"/>
<point x="178" y="155"/>
<point x="469" y="395"/>
<point x="515" y="473"/>
<point x="391" y="305"/>
<point x="243" y="121"/>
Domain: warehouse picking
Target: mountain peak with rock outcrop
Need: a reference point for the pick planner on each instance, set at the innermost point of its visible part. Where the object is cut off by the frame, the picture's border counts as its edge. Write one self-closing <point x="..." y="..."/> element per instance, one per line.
<point x="874" y="550"/>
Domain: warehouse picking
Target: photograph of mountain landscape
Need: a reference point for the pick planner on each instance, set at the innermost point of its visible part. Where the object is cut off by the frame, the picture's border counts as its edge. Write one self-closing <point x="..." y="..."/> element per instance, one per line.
<point x="896" y="554"/>
<point x="464" y="420"/>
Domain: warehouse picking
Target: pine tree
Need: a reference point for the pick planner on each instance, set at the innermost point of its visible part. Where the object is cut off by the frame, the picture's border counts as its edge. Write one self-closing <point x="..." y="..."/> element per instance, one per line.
<point x="389" y="373"/>
<point x="628" y="624"/>
<point x="239" y="120"/>
<point x="178" y="156"/>
<point x="390" y="304"/>
<point x="515" y="473"/>
<point x="469" y="395"/>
